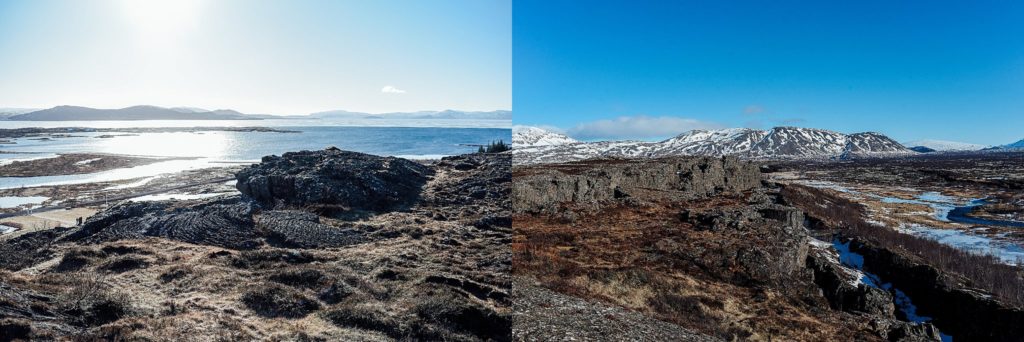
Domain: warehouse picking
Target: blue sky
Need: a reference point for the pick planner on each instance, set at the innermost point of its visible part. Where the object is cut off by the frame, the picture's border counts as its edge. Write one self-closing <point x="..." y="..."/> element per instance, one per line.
<point x="650" y="69"/>
<point x="258" y="56"/>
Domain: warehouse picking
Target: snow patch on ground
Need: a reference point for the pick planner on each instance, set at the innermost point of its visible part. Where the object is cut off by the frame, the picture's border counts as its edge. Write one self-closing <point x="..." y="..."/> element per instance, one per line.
<point x="6" y="229"/>
<point x="87" y="161"/>
<point x="900" y="299"/>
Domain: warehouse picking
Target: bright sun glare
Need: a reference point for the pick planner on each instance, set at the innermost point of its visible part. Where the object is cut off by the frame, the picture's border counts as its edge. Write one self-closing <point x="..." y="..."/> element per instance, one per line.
<point x="162" y="21"/>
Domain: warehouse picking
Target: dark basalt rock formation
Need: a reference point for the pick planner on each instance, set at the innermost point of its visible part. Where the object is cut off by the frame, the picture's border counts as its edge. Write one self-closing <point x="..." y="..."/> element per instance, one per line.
<point x="761" y="243"/>
<point x="29" y="248"/>
<point x="491" y="184"/>
<point x="225" y="223"/>
<point x="333" y="177"/>
<point x="901" y="331"/>
<point x="588" y="184"/>
<point x="841" y="294"/>
<point x="339" y="179"/>
<point x="299" y="229"/>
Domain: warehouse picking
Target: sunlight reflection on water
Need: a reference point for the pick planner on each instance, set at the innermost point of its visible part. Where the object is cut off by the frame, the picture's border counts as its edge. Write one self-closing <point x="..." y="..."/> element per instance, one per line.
<point x="180" y="144"/>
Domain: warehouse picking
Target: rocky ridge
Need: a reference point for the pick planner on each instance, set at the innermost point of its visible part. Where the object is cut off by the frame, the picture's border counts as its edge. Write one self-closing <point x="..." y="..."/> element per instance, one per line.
<point x="542" y="190"/>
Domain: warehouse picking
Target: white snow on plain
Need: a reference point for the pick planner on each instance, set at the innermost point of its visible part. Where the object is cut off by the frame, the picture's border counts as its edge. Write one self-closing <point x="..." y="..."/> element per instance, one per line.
<point x="944" y="145"/>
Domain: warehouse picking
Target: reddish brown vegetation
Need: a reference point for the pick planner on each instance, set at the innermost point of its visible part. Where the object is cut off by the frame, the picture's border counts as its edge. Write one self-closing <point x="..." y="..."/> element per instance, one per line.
<point x="618" y="255"/>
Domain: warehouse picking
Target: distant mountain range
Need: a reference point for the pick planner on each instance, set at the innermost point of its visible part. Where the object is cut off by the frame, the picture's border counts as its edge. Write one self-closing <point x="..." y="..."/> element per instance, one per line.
<point x="444" y="114"/>
<point x="9" y="112"/>
<point x="77" y="113"/>
<point x="533" y="145"/>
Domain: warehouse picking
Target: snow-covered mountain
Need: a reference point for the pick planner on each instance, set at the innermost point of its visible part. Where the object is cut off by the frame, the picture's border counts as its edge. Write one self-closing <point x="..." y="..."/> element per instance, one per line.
<point x="1017" y="145"/>
<point x="943" y="145"/>
<point x="711" y="143"/>
<point x="776" y="143"/>
<point x="526" y="136"/>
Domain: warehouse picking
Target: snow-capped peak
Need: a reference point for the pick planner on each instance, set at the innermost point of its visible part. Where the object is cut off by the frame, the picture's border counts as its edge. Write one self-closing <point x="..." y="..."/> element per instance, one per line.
<point x="528" y="136"/>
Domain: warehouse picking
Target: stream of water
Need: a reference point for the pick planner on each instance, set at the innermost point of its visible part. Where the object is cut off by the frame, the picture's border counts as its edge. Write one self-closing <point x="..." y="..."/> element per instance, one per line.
<point x="949" y="209"/>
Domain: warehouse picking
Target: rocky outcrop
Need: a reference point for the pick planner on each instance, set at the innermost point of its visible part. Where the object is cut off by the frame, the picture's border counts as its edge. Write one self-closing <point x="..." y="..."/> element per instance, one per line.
<point x="589" y="184"/>
<point x="902" y="331"/>
<point x="491" y="183"/>
<point x="759" y="243"/>
<point x="333" y="177"/>
<point x="843" y="289"/>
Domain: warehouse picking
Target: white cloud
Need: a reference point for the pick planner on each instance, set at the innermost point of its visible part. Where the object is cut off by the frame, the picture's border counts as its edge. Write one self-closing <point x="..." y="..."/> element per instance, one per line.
<point x="391" y="90"/>
<point x="638" y="127"/>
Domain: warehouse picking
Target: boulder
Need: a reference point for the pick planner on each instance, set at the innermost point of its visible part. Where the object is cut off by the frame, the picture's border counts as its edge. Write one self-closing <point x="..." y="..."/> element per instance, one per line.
<point x="333" y="177"/>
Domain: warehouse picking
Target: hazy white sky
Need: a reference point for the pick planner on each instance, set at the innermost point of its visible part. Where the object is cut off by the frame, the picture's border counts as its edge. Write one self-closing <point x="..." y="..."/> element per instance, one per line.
<point x="257" y="56"/>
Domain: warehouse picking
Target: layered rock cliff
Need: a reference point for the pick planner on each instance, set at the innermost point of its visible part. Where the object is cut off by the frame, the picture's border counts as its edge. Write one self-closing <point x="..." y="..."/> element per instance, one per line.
<point x="591" y="184"/>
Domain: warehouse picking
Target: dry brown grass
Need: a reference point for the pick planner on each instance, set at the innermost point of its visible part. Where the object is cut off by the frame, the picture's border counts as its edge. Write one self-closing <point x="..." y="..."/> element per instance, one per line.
<point x="610" y="256"/>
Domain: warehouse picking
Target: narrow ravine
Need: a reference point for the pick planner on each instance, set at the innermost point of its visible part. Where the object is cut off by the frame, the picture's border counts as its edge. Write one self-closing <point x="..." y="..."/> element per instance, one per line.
<point x="904" y="304"/>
